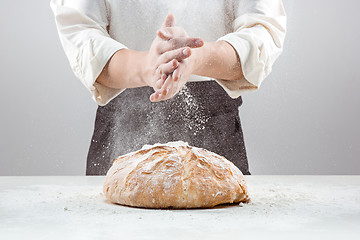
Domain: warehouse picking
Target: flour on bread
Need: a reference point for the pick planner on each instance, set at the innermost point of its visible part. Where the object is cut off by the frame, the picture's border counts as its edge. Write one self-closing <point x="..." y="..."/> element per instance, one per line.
<point x="174" y="175"/>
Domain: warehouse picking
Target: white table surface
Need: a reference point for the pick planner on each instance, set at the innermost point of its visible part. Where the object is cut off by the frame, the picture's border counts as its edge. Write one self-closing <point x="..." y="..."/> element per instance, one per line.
<point x="282" y="207"/>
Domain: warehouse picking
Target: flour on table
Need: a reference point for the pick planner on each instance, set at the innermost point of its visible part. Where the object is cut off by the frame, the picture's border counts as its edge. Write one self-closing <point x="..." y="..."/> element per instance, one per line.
<point x="278" y="204"/>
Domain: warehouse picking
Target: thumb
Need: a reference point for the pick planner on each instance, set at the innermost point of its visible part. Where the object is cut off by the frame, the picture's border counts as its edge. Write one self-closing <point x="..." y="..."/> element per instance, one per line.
<point x="169" y="21"/>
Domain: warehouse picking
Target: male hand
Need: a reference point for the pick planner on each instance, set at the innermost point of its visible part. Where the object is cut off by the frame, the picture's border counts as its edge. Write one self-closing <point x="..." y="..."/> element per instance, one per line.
<point x="172" y="79"/>
<point x="168" y="68"/>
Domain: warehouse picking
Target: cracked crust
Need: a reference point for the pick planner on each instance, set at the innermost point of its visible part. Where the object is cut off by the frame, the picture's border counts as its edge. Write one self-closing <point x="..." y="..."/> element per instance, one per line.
<point x="174" y="177"/>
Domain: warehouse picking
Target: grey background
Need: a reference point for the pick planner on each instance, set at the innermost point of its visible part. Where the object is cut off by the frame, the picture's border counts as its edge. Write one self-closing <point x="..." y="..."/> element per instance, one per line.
<point x="303" y="120"/>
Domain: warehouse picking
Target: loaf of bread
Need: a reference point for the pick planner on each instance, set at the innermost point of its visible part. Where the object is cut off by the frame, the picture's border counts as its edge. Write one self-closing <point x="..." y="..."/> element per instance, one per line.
<point x="174" y="175"/>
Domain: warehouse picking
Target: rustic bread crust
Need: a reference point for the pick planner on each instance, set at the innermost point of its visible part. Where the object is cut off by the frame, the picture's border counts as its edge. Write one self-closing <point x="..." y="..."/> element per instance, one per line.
<point x="164" y="176"/>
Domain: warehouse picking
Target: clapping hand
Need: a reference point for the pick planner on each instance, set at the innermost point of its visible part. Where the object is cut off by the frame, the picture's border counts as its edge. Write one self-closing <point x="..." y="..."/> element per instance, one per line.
<point x="173" y="64"/>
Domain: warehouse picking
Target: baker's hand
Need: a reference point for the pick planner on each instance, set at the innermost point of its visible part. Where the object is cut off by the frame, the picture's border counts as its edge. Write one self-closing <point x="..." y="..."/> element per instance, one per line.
<point x="172" y="79"/>
<point x="173" y="83"/>
<point x="167" y="53"/>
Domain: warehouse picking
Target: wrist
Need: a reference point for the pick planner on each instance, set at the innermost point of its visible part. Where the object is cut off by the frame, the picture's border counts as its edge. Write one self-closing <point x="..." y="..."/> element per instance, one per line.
<point x="196" y="60"/>
<point x="144" y="69"/>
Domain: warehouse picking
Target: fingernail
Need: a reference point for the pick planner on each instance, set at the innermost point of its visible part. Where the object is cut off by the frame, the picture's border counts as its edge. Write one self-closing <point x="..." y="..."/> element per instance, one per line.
<point x="199" y="42"/>
<point x="186" y="51"/>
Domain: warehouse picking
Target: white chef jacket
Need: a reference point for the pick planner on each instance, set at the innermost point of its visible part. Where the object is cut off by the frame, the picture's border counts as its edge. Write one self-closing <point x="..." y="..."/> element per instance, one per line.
<point x="91" y="31"/>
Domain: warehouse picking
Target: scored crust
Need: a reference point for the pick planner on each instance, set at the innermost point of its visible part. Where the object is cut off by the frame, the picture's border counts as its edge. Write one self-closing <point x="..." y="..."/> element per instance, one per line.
<point x="165" y="176"/>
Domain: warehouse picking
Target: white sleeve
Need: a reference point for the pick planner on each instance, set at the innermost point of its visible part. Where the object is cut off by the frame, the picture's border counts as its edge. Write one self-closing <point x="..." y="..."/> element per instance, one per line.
<point x="258" y="38"/>
<point x="82" y="27"/>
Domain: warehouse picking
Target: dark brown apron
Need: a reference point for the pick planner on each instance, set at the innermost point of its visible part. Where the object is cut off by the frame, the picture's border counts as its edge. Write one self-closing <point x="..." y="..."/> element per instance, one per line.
<point x="202" y="114"/>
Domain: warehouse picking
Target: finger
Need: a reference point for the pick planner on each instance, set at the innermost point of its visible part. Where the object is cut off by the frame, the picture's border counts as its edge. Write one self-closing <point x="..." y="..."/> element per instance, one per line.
<point x="169" y="21"/>
<point x="159" y="95"/>
<point x="160" y="82"/>
<point x="163" y="34"/>
<point x="155" y="78"/>
<point x="162" y="94"/>
<point x="152" y="97"/>
<point x="181" y="42"/>
<point x="169" y="67"/>
<point x="173" y="31"/>
<point x="168" y="89"/>
<point x="172" y="86"/>
<point x="155" y="97"/>
<point x="176" y="74"/>
<point x="178" y="54"/>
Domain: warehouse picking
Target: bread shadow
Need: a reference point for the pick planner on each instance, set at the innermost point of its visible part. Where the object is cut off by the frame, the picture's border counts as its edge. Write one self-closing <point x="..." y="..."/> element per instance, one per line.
<point x="220" y="206"/>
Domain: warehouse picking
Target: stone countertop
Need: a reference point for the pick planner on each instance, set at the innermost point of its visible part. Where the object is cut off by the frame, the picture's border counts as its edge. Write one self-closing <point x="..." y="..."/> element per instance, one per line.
<point x="74" y="207"/>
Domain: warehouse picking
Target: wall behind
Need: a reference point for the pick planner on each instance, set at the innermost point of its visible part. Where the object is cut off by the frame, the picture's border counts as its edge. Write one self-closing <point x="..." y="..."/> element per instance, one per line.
<point x="303" y="120"/>
<point x="47" y="115"/>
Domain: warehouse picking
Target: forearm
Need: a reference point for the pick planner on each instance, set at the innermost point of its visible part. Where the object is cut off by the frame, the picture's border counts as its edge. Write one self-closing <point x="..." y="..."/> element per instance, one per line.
<point x="217" y="60"/>
<point x="125" y="69"/>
